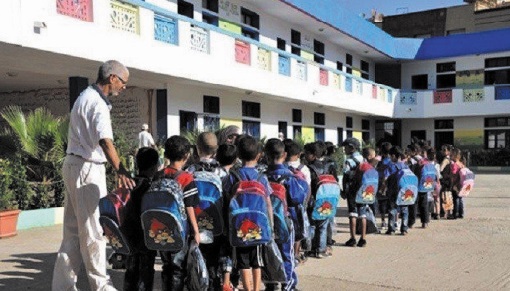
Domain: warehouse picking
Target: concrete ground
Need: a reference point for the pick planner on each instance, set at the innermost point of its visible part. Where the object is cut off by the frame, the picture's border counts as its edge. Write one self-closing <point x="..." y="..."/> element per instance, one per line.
<point x="468" y="254"/>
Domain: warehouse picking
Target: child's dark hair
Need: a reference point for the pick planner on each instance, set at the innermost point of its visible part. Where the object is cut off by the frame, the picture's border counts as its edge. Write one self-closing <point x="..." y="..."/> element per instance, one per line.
<point x="330" y="148"/>
<point x="292" y="148"/>
<point x="414" y="148"/>
<point x="367" y="151"/>
<point x="226" y="154"/>
<point x="314" y="149"/>
<point x="274" y="149"/>
<point x="431" y="154"/>
<point x="385" y="148"/>
<point x="146" y="159"/>
<point x="323" y="148"/>
<point x="249" y="148"/>
<point x="446" y="147"/>
<point x="397" y="152"/>
<point x="176" y="148"/>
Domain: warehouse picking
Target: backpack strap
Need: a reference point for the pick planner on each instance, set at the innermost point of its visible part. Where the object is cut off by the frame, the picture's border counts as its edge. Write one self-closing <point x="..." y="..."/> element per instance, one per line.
<point x="300" y="167"/>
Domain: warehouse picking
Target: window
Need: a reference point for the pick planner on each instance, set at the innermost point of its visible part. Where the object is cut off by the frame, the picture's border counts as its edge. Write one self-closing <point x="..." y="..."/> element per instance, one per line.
<point x="497" y="62"/>
<point x="318" y="47"/>
<point x="295" y="37"/>
<point x="340" y="135"/>
<point x="185" y="8"/>
<point x="251" y="109"/>
<point x="497" y="121"/>
<point x="446" y="81"/>
<point x="497" y="77"/>
<point x="443" y="124"/>
<point x="348" y="59"/>
<point x="365" y="66"/>
<point x="319" y="134"/>
<point x="319" y="118"/>
<point x="250" y="33"/>
<point x="296" y="129"/>
<point x="365" y="124"/>
<point x="348" y="122"/>
<point x="250" y="18"/>
<point x="445" y="67"/>
<point x="365" y="136"/>
<point x="252" y="128"/>
<point x="364" y="76"/>
<point x="188" y="121"/>
<point x="348" y="133"/>
<point x="211" y="122"/>
<point x="280" y="43"/>
<point x="296" y="115"/>
<point x="211" y="5"/>
<point x="339" y="66"/>
<point x="211" y="19"/>
<point x="211" y="104"/>
<point x="282" y="127"/>
<point x="497" y="139"/>
<point x="420" y="82"/>
<point x="318" y="59"/>
<point x="295" y="51"/>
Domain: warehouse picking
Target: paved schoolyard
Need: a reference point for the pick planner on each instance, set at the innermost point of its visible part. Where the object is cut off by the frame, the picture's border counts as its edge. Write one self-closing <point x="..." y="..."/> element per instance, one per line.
<point x="468" y="254"/>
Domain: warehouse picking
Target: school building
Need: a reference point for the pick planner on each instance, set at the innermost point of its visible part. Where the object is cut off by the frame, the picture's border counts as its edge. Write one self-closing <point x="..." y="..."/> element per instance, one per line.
<point x="291" y="66"/>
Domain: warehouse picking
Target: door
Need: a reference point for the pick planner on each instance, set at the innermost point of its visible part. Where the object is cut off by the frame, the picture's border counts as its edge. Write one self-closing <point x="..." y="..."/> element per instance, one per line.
<point x="443" y="137"/>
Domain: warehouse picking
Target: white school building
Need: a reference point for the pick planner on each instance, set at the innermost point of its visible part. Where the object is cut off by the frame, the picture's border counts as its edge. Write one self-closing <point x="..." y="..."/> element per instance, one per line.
<point x="268" y="66"/>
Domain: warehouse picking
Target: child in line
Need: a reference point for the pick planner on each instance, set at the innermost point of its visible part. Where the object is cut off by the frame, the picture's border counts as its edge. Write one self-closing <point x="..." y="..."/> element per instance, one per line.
<point x="456" y="165"/>
<point x="369" y="155"/>
<point x="249" y="259"/>
<point x="446" y="198"/>
<point x="431" y="156"/>
<point x="276" y="171"/>
<point x="140" y="263"/>
<point x="396" y="155"/>
<point x="384" y="170"/>
<point x="353" y="160"/>
<point x="331" y="166"/>
<point x="178" y="151"/>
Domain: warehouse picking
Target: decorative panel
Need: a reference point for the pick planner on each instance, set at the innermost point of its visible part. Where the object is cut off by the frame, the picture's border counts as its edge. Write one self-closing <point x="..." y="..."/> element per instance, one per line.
<point x="381" y="93"/>
<point x="356" y="72"/>
<point x="301" y="71"/>
<point x="229" y="26"/>
<point x="323" y="77"/>
<point x="442" y="96"/>
<point x="348" y="84"/>
<point x="390" y="96"/>
<point x="243" y="55"/>
<point x="358" y="87"/>
<point x="165" y="29"/>
<point x="502" y="92"/>
<point x="374" y="91"/>
<point x="80" y="9"/>
<point x="408" y="98"/>
<point x="473" y="95"/>
<point x="469" y="79"/>
<point x="199" y="39"/>
<point x="306" y="55"/>
<point x="264" y="59"/>
<point x="336" y="81"/>
<point x="283" y="65"/>
<point x="124" y="17"/>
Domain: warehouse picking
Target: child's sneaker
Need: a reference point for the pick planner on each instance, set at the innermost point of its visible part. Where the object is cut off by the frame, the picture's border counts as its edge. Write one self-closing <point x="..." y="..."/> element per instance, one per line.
<point x="351" y="242"/>
<point x="328" y="252"/>
<point x="362" y="242"/>
<point x="390" y="232"/>
<point x="403" y="232"/>
<point x="384" y="225"/>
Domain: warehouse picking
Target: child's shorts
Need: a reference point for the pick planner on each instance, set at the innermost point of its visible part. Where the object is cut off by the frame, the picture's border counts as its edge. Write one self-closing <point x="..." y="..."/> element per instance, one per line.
<point x="355" y="209"/>
<point x="249" y="257"/>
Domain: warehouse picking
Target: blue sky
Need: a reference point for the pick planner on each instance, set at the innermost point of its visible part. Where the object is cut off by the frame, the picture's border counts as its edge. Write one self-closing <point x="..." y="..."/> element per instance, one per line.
<point x="392" y="7"/>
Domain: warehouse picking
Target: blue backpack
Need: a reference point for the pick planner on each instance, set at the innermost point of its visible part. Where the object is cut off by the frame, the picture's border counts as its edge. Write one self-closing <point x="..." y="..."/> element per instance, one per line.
<point x="249" y="223"/>
<point x="367" y="192"/>
<point x="164" y="219"/>
<point x="326" y="197"/>
<point x="407" y="186"/>
<point x="282" y="223"/>
<point x="111" y="211"/>
<point x="427" y="174"/>
<point x="209" y="210"/>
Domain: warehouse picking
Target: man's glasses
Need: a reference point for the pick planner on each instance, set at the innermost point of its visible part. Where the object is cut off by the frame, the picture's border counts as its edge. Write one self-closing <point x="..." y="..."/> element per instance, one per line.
<point x="120" y="79"/>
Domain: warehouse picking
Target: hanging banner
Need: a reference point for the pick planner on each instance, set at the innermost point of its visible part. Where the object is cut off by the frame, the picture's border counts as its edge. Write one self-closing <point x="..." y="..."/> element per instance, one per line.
<point x="229" y="10"/>
<point x="308" y="134"/>
<point x="470" y="78"/>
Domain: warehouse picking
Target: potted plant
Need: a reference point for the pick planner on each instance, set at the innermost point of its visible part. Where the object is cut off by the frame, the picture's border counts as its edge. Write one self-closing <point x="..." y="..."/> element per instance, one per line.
<point x="8" y="206"/>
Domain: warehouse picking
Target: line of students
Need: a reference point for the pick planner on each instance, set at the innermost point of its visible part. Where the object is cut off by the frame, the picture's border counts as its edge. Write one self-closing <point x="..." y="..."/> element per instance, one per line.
<point x="302" y="219"/>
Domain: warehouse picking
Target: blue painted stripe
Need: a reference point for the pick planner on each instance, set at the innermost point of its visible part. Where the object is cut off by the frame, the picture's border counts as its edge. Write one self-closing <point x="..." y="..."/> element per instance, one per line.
<point x="36" y="218"/>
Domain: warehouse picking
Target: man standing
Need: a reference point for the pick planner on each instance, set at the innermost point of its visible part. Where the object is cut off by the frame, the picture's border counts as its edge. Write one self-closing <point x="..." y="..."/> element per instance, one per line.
<point x="90" y="146"/>
<point x="145" y="138"/>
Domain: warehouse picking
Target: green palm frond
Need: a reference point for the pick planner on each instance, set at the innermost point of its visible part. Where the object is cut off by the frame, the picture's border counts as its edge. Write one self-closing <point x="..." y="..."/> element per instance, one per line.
<point x="16" y="120"/>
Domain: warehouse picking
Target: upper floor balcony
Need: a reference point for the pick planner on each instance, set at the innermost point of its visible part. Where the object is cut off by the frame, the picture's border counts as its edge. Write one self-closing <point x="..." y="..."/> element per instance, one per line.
<point x="150" y="36"/>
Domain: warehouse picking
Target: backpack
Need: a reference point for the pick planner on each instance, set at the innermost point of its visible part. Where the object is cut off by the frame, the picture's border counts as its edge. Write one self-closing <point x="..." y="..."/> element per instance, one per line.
<point x="197" y="275"/>
<point x="427" y="175"/>
<point x="407" y="186"/>
<point x="299" y="192"/>
<point x="446" y="177"/>
<point x="326" y="197"/>
<point x="281" y="225"/>
<point x="209" y="210"/>
<point x="369" y="184"/>
<point x="164" y="219"/>
<point x="111" y="211"/>
<point x="467" y="181"/>
<point x="371" y="222"/>
<point x="274" y="268"/>
<point x="382" y="186"/>
<point x="249" y="223"/>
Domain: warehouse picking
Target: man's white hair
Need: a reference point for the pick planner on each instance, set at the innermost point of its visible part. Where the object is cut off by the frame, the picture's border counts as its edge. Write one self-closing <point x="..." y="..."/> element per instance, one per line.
<point x="111" y="67"/>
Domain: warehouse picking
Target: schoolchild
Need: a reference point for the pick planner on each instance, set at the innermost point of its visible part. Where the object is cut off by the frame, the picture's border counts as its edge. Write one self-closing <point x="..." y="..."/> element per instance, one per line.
<point x="226" y="157"/>
<point x="206" y="146"/>
<point x="318" y="228"/>
<point x="178" y="151"/>
<point x="414" y="161"/>
<point x="396" y="154"/>
<point x="279" y="173"/>
<point x="446" y="199"/>
<point x="140" y="263"/>
<point x="353" y="160"/>
<point x="331" y="166"/>
<point x="456" y="165"/>
<point x="432" y="158"/>
<point x="422" y="205"/>
<point x="369" y="156"/>
<point x="249" y="259"/>
<point x="383" y="168"/>
<point x="293" y="162"/>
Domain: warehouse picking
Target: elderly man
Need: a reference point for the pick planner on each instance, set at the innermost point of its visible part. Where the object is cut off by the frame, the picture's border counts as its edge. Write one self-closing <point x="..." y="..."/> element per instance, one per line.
<point x="90" y="146"/>
<point x="145" y="138"/>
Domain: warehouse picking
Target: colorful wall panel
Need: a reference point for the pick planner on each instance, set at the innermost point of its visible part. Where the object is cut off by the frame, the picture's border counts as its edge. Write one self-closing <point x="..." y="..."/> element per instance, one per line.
<point x="229" y="10"/>
<point x="472" y="138"/>
<point x="283" y="65"/>
<point x="199" y="40"/>
<point x="473" y="95"/>
<point x="323" y="77"/>
<point x="356" y="72"/>
<point x="358" y="87"/>
<point x="357" y="135"/>
<point x="374" y="91"/>
<point x="264" y="59"/>
<point x="229" y="26"/>
<point x="308" y="134"/>
<point x="348" y="84"/>
<point x="502" y="92"/>
<point x="243" y="54"/>
<point x="408" y="98"/>
<point x="80" y="9"/>
<point x="125" y="17"/>
<point x="306" y="55"/>
<point x="470" y="78"/>
<point x="336" y="81"/>
<point x="442" y="96"/>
